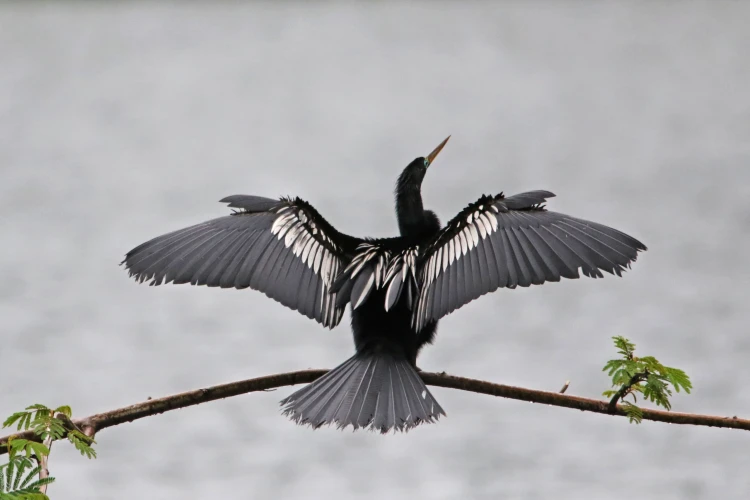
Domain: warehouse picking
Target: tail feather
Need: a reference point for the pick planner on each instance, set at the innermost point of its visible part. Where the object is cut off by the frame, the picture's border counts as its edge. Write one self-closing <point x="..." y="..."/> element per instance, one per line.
<point x="378" y="391"/>
<point x="314" y="401"/>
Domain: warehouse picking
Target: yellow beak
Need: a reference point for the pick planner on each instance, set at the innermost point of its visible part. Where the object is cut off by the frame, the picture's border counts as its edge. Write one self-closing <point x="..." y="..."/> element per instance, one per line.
<point x="433" y="155"/>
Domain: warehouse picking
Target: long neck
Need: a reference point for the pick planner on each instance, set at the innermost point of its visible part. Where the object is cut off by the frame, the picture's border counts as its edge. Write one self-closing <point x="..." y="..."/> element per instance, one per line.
<point x="409" y="210"/>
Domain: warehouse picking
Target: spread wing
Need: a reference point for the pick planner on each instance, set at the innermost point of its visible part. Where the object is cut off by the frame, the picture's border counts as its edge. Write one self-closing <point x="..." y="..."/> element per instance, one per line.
<point x="507" y="242"/>
<point x="283" y="248"/>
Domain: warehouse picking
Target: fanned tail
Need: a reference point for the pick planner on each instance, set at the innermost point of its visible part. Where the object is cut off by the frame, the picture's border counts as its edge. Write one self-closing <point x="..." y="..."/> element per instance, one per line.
<point x="378" y="391"/>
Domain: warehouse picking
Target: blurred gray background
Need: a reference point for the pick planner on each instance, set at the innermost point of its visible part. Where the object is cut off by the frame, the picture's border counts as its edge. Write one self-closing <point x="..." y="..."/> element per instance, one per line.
<point x="122" y="121"/>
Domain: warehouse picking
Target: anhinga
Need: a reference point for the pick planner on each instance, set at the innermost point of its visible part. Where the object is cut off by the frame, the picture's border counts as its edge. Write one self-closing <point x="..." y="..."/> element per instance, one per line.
<point x="398" y="287"/>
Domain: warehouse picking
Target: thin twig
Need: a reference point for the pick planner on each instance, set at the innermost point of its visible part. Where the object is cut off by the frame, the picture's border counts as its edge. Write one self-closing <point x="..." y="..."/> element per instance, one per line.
<point x="95" y="423"/>
<point x="43" y="461"/>
<point x="565" y="387"/>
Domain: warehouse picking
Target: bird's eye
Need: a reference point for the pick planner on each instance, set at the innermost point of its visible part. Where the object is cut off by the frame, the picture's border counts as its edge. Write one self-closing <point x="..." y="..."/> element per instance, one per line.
<point x="426" y="162"/>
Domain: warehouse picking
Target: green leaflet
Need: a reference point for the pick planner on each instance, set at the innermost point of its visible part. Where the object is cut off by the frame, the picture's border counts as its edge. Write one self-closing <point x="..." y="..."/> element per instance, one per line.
<point x="18" y="480"/>
<point x="19" y="477"/>
<point x="631" y="375"/>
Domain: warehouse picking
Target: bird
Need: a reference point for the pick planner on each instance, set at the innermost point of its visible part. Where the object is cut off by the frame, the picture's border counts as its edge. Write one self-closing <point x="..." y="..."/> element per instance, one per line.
<point x="398" y="288"/>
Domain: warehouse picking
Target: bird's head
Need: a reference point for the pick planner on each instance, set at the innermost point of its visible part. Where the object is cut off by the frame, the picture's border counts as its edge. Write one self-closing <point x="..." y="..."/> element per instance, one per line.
<point x="415" y="171"/>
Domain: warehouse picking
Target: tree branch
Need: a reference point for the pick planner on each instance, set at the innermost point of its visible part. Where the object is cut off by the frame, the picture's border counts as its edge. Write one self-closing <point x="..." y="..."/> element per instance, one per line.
<point x="625" y="390"/>
<point x="95" y="423"/>
<point x="43" y="463"/>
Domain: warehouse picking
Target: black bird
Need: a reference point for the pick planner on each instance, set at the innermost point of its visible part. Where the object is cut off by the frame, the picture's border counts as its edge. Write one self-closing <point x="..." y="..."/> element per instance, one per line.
<point x="398" y="287"/>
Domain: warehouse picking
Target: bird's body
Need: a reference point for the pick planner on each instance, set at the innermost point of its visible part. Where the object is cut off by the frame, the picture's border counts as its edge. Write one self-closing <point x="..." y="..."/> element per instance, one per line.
<point x="398" y="287"/>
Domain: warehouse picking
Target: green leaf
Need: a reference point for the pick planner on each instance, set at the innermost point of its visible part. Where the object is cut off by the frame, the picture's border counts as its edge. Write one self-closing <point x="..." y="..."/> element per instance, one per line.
<point x="634" y="414"/>
<point x="13" y="419"/>
<point x="82" y="443"/>
<point x="39" y="449"/>
<point x="27" y="483"/>
<point x="624" y="347"/>
<point x="679" y="379"/>
<point x="18" y="480"/>
<point x="65" y="410"/>
<point x="612" y="366"/>
<point x="646" y="376"/>
<point x="621" y="377"/>
<point x="46" y="425"/>
<point x="38" y="407"/>
<point x="25" y="494"/>
<point x="23" y="418"/>
<point x="18" y="445"/>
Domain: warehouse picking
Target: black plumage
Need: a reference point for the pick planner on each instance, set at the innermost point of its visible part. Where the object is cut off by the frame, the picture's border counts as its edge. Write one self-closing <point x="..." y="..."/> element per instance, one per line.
<point x="398" y="287"/>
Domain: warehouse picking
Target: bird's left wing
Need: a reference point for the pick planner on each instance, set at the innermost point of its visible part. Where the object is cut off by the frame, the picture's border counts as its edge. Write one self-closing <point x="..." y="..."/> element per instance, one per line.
<point x="507" y="242"/>
<point x="283" y="248"/>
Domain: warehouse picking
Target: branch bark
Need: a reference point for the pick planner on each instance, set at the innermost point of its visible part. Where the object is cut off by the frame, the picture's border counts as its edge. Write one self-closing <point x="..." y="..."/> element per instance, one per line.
<point x="95" y="423"/>
<point x="43" y="463"/>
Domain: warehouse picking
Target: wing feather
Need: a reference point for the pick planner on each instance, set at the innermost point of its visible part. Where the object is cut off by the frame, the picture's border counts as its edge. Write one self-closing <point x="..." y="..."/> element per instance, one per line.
<point x="507" y="242"/>
<point x="283" y="248"/>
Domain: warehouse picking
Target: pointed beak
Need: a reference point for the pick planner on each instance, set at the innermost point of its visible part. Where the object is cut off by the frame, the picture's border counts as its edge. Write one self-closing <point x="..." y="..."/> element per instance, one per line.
<point x="433" y="155"/>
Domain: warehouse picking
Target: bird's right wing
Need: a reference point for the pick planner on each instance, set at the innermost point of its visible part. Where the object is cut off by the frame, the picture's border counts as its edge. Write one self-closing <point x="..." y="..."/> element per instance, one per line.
<point x="283" y="248"/>
<point x="507" y="242"/>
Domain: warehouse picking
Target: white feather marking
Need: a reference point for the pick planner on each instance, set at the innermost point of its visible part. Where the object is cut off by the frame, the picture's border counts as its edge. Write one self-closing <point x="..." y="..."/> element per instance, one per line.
<point x="334" y="270"/>
<point x="376" y="272"/>
<point x="302" y="216"/>
<point x="424" y="394"/>
<point x="485" y="220"/>
<point x="438" y="260"/>
<point x="325" y="266"/>
<point x="470" y="218"/>
<point x="391" y="290"/>
<point x="318" y="259"/>
<point x="418" y="315"/>
<point x="445" y="252"/>
<point x="281" y="224"/>
<point x="301" y="242"/>
<point x="469" y="237"/>
<point x="431" y="271"/>
<point x="493" y="207"/>
<point x="326" y="305"/>
<point x="480" y="225"/>
<point x="295" y="230"/>
<point x="306" y="250"/>
<point x="493" y="220"/>
<point x="309" y="255"/>
<point x="364" y="260"/>
<point x="329" y="309"/>
<point x="393" y="270"/>
<point x="379" y="271"/>
<point x="365" y="291"/>
<point x="464" y="244"/>
<point x="452" y="249"/>
<point x="331" y="269"/>
<point x="337" y="312"/>
<point x="474" y="234"/>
